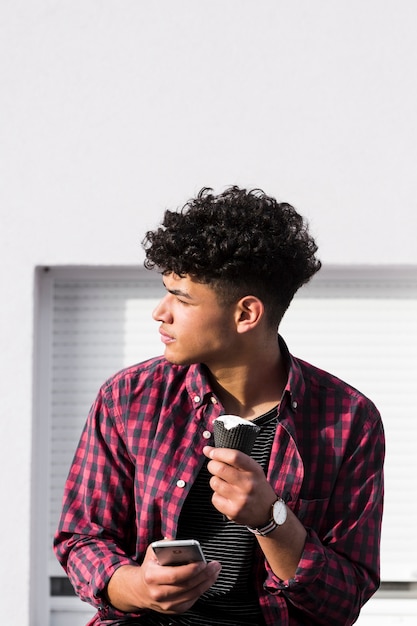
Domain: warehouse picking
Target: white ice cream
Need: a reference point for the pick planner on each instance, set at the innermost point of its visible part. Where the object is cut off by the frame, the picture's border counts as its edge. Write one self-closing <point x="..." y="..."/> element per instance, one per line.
<point x="231" y="421"/>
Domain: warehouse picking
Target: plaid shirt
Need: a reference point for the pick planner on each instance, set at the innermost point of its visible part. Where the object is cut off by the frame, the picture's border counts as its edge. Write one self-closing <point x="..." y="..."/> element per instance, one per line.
<point x="141" y="450"/>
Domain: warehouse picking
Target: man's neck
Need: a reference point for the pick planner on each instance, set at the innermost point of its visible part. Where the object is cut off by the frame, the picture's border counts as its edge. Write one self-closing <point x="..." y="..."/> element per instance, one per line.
<point x="251" y="389"/>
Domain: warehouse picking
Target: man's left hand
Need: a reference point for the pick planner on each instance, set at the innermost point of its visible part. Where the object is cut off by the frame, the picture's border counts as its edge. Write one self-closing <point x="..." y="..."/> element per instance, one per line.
<point x="241" y="490"/>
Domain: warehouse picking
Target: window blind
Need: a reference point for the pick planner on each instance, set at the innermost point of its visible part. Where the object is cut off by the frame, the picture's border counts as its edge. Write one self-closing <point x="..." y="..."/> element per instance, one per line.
<point x="99" y="326"/>
<point x="358" y="323"/>
<point x="362" y="327"/>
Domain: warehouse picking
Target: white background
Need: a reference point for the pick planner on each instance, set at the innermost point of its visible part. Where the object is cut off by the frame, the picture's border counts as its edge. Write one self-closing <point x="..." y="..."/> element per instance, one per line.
<point x="111" y="111"/>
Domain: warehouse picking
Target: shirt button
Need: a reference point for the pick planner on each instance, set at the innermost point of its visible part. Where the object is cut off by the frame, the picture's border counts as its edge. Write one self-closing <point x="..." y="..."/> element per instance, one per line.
<point x="206" y="434"/>
<point x="213" y="399"/>
<point x="197" y="398"/>
<point x="181" y="483"/>
<point x="294" y="404"/>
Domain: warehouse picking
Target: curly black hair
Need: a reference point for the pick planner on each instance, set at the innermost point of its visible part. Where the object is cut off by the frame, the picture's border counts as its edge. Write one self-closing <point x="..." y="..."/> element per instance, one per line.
<point x="241" y="242"/>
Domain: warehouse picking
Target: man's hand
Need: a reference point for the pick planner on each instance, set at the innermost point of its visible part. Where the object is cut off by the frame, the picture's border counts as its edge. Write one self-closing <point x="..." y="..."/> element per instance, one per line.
<point x="162" y="588"/>
<point x="243" y="494"/>
<point x="241" y="491"/>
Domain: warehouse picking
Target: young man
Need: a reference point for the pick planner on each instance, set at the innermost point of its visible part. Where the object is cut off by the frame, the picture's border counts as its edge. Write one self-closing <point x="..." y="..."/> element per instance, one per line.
<point x="291" y="533"/>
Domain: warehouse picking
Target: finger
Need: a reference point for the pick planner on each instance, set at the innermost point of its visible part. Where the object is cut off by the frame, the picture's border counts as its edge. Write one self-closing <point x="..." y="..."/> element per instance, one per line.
<point x="236" y="494"/>
<point x="176" y="597"/>
<point x="242" y="479"/>
<point x="229" y="456"/>
<point x="175" y="575"/>
<point x="234" y="458"/>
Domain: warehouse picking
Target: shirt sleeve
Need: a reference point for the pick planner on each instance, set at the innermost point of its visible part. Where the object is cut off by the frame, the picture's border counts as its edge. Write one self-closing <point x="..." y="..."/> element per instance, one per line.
<point x="91" y="540"/>
<point x="339" y="568"/>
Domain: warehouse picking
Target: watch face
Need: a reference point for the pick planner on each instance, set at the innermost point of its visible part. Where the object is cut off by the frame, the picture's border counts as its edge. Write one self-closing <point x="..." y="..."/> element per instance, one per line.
<point x="280" y="512"/>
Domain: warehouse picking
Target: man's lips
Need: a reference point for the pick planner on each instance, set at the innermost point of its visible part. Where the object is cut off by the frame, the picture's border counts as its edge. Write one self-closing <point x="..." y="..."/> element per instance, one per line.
<point x="165" y="338"/>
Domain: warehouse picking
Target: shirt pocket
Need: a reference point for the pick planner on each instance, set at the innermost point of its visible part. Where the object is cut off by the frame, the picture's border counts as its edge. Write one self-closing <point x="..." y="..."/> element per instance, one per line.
<point x="312" y="513"/>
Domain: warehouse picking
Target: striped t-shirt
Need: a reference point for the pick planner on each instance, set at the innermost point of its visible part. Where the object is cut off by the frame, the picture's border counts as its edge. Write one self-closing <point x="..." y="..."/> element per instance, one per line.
<point x="232" y="600"/>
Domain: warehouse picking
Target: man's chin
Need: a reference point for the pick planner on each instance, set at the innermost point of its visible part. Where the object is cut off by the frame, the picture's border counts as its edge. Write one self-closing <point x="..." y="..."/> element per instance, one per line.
<point x="177" y="360"/>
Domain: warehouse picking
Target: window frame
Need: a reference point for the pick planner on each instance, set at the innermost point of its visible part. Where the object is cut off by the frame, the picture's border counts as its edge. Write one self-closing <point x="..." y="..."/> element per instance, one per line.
<point x="379" y="278"/>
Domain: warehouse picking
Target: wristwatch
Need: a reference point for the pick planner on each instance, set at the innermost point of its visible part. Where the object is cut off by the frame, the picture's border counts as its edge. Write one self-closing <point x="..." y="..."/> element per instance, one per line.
<point x="279" y="515"/>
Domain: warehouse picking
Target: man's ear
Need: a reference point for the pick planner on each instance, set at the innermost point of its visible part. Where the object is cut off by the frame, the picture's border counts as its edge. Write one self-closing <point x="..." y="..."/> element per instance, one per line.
<point x="249" y="312"/>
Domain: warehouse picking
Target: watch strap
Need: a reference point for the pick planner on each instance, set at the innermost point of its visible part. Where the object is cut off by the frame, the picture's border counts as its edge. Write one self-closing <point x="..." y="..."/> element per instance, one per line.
<point x="264" y="530"/>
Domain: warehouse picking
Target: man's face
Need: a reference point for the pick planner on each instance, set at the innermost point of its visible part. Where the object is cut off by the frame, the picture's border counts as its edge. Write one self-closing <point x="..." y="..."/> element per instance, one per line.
<point x="195" y="327"/>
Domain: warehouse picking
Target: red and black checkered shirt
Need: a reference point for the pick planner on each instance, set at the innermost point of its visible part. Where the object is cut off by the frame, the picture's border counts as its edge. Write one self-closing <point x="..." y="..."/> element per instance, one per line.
<point x="141" y="450"/>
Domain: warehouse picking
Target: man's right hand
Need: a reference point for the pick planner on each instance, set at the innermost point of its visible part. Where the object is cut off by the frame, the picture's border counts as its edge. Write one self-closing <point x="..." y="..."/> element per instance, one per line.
<point x="162" y="588"/>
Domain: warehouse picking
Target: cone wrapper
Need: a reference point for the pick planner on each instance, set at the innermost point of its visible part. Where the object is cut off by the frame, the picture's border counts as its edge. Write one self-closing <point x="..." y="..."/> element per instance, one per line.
<point x="231" y="431"/>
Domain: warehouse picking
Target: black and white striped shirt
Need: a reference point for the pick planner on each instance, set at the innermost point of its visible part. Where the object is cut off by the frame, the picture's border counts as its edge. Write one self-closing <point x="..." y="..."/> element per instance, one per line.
<point x="232" y="600"/>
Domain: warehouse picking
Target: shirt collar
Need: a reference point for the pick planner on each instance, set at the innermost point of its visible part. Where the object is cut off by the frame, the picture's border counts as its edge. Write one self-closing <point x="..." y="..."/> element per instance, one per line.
<point x="198" y="385"/>
<point x="201" y="392"/>
<point x="295" y="386"/>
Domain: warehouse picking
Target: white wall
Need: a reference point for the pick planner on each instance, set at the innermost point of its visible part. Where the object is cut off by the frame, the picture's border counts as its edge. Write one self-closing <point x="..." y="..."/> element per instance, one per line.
<point x="112" y="110"/>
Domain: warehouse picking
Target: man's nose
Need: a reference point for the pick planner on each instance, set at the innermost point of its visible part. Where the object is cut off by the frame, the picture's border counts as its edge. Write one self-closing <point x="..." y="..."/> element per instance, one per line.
<point x="161" y="311"/>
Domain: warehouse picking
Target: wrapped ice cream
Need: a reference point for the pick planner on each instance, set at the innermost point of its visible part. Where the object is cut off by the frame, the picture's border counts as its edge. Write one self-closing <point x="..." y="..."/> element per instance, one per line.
<point x="232" y="431"/>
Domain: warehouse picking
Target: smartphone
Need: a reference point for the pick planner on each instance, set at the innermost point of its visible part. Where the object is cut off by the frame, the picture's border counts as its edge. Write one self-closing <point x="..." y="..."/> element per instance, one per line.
<point x="178" y="551"/>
